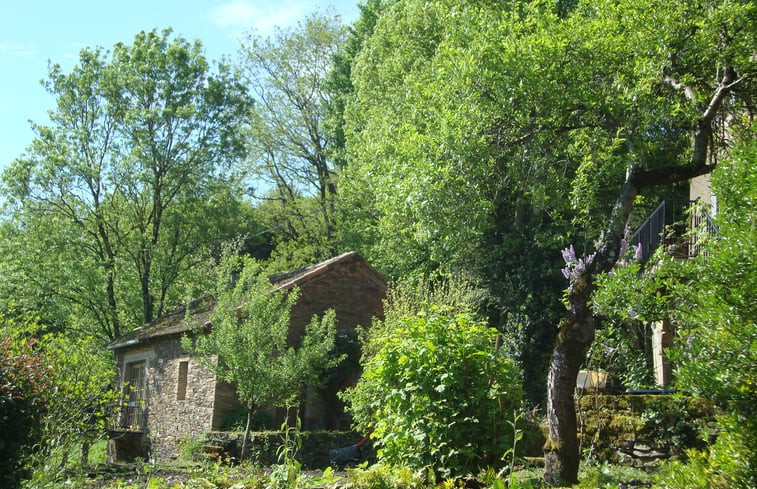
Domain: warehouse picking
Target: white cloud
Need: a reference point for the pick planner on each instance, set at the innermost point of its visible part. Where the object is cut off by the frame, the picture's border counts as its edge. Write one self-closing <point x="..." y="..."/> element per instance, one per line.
<point x="18" y="50"/>
<point x="262" y="16"/>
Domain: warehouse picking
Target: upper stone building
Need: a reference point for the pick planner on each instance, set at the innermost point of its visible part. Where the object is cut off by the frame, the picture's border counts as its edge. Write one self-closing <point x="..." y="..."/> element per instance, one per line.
<point x="170" y="395"/>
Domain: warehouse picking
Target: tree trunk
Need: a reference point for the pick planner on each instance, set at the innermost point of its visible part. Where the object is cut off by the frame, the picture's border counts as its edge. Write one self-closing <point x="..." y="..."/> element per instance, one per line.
<point x="561" y="455"/>
<point x="246" y="434"/>
<point x="85" y="446"/>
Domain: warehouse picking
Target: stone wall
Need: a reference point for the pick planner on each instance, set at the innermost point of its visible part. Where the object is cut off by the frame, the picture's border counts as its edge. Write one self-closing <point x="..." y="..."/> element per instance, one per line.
<point x="641" y="430"/>
<point x="172" y="411"/>
<point x="262" y="446"/>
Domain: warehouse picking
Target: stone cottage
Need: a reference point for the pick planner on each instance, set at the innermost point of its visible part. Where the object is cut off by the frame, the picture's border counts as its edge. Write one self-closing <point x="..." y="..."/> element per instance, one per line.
<point x="170" y="396"/>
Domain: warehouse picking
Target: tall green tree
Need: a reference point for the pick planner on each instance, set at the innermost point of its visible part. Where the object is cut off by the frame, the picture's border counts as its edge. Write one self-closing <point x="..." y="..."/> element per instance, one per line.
<point x="134" y="181"/>
<point x="535" y="129"/>
<point x="287" y="74"/>
<point x="431" y="184"/>
<point x="339" y="81"/>
<point x="251" y="346"/>
<point x="694" y="82"/>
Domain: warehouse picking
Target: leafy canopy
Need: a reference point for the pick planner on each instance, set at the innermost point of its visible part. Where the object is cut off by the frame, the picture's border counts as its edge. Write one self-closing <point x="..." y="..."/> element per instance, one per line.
<point x="108" y="208"/>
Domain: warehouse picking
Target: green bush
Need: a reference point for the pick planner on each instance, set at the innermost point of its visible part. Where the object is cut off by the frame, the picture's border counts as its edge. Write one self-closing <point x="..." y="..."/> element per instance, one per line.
<point x="436" y="392"/>
<point x="729" y="462"/>
<point x="386" y="477"/>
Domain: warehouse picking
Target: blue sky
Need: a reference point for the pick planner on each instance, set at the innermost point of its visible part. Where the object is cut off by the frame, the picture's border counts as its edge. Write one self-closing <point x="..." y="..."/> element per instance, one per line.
<point x="35" y="31"/>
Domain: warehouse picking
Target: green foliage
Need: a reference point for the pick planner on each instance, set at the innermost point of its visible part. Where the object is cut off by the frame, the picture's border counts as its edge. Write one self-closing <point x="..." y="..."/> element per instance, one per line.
<point x="23" y="382"/>
<point x="287" y="74"/>
<point x="729" y="462"/>
<point x="108" y="209"/>
<point x="253" y="345"/>
<point x="78" y="409"/>
<point x="288" y="473"/>
<point x="676" y="422"/>
<point x="485" y="136"/>
<point x="608" y="476"/>
<point x="436" y="390"/>
<point x="717" y="356"/>
<point x="627" y="301"/>
<point x="54" y="399"/>
<point x="192" y="446"/>
<point x="381" y="476"/>
<point x="237" y="421"/>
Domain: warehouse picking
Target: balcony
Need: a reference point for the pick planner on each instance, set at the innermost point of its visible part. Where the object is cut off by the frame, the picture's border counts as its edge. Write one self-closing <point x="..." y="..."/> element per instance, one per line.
<point x="674" y="224"/>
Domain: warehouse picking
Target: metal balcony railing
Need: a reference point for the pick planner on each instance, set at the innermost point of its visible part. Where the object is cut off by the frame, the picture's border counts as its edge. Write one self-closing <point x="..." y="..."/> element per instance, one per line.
<point x="674" y="224"/>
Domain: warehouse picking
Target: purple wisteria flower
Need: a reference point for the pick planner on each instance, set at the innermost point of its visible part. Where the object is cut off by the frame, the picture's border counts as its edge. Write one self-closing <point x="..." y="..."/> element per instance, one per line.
<point x="569" y="255"/>
<point x="637" y="252"/>
<point x="574" y="265"/>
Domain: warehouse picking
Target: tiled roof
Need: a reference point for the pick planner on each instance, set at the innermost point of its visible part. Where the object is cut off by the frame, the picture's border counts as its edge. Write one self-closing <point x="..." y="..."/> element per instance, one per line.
<point x="200" y="309"/>
<point x="174" y="322"/>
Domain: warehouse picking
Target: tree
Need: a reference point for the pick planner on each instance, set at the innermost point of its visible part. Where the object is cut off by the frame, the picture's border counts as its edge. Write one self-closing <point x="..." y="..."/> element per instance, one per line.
<point x="433" y="186"/>
<point x="287" y="75"/>
<point x="143" y="146"/>
<point x="339" y="82"/>
<point x="713" y="68"/>
<point x="511" y="122"/>
<point x="250" y="344"/>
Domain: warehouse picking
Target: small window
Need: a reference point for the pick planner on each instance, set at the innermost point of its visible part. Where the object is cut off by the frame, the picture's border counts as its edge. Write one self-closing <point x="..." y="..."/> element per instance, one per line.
<point x="181" y="391"/>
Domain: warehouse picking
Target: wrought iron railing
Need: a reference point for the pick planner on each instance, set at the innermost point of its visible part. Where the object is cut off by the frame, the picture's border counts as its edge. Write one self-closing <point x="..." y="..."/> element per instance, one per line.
<point x="127" y="416"/>
<point x="677" y="224"/>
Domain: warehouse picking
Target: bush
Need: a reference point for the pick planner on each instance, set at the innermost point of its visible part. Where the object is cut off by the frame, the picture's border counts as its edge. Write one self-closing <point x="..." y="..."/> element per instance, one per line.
<point x="22" y="387"/>
<point x="729" y="462"/>
<point x="385" y="477"/>
<point x="436" y="392"/>
<point x="54" y="394"/>
<point x="237" y="421"/>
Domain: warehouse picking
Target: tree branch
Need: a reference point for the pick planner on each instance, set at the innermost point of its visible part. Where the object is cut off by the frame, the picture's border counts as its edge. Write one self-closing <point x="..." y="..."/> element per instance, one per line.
<point x="702" y="135"/>
<point x="686" y="89"/>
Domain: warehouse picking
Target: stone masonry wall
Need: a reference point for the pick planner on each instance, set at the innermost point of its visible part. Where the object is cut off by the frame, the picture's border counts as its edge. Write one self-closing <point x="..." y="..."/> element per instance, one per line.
<point x="642" y="430"/>
<point x="168" y="419"/>
<point x="357" y="299"/>
<point x="262" y="446"/>
<point x="171" y="419"/>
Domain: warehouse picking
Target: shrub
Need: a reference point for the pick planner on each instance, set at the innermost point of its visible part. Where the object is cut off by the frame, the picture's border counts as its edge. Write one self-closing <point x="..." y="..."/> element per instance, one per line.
<point x="237" y="421"/>
<point x="385" y="477"/>
<point x="729" y="462"/>
<point x="23" y="382"/>
<point x="54" y="394"/>
<point x="436" y="392"/>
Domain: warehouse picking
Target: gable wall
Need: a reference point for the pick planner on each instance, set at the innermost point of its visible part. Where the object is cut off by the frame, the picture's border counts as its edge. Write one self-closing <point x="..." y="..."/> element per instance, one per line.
<point x="356" y="298"/>
<point x="348" y="289"/>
